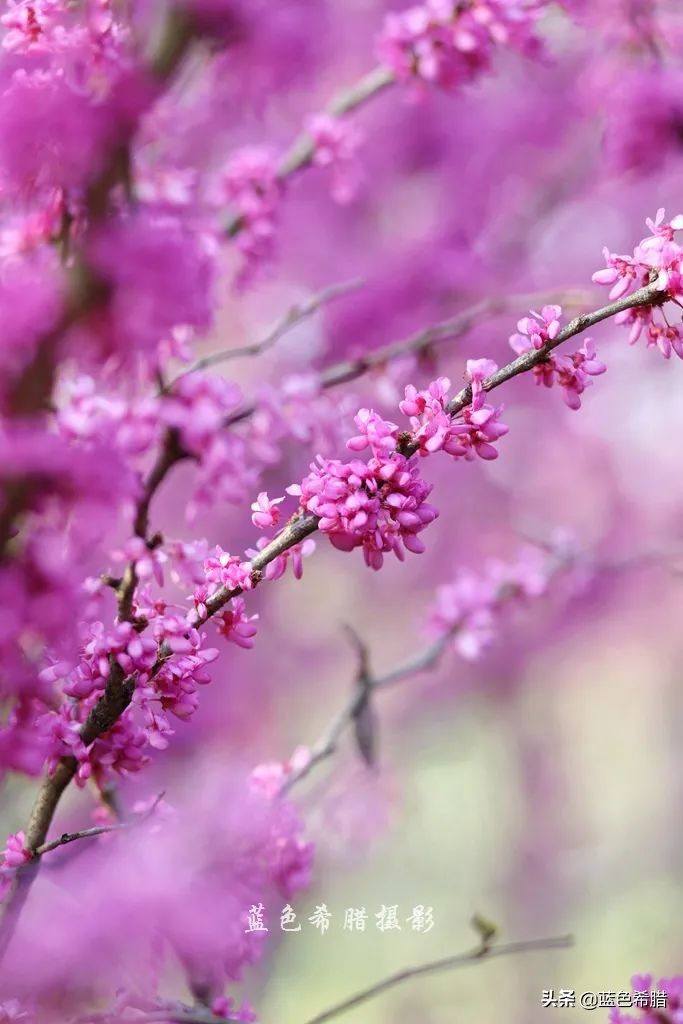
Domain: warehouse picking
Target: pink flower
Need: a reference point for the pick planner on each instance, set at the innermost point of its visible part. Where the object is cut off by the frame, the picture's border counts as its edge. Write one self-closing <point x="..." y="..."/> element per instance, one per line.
<point x="16" y="852"/>
<point x="227" y="570"/>
<point x="336" y="141"/>
<point x="656" y="260"/>
<point x="147" y="561"/>
<point x="476" y="372"/>
<point x="448" y="45"/>
<point x="537" y="330"/>
<point x="236" y="626"/>
<point x="377" y="434"/>
<point x="26" y="24"/>
<point x="13" y="856"/>
<point x="253" y="188"/>
<point x="571" y="372"/>
<point x="268" y="779"/>
<point x="265" y="512"/>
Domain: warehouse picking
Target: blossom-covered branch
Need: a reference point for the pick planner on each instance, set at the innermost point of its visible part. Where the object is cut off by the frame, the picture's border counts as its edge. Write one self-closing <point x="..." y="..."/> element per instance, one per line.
<point x="238" y="577"/>
<point x="30" y="394"/>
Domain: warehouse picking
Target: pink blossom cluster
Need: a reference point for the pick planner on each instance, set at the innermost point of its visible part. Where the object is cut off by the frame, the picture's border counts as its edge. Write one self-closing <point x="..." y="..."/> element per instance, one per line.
<point x="657" y="260"/>
<point x="449" y="44"/>
<point x="13" y="856"/>
<point x="253" y="188"/>
<point x="467" y="610"/>
<point x="380" y="505"/>
<point x="336" y="142"/>
<point x="647" y="1007"/>
<point x="433" y="427"/>
<point x="168" y="665"/>
<point x="572" y="372"/>
<point x="198" y="407"/>
<point x="299" y="410"/>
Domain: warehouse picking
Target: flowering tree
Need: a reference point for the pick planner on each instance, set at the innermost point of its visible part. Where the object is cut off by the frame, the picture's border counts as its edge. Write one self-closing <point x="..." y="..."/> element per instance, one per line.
<point x="174" y="176"/>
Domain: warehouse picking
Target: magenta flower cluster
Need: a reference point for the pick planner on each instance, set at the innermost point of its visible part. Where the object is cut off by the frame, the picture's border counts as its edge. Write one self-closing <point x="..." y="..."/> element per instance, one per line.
<point x="647" y="1008"/>
<point x="467" y="611"/>
<point x="656" y="260"/>
<point x="449" y="44"/>
<point x="572" y="372"/>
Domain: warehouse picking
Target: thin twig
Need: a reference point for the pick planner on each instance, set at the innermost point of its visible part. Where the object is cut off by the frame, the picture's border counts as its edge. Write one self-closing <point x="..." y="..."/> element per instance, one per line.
<point x="427" y="338"/>
<point x="326" y="746"/>
<point x="477" y="955"/>
<point x="99" y="830"/>
<point x="294" y="316"/>
<point x="85" y="833"/>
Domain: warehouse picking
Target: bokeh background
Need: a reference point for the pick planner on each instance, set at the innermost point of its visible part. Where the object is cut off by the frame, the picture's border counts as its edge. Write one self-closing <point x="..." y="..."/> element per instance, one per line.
<point x="540" y="786"/>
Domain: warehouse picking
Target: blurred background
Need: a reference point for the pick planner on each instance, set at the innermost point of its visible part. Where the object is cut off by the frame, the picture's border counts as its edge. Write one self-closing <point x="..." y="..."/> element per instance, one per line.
<point x="539" y="786"/>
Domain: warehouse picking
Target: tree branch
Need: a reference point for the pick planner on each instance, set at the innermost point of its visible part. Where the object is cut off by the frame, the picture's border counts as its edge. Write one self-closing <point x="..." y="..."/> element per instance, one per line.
<point x="303" y="524"/>
<point x="424" y="340"/>
<point x="478" y="955"/>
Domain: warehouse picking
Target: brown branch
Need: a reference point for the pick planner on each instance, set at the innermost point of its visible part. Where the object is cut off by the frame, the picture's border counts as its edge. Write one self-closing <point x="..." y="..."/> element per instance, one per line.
<point x="426" y="339"/>
<point x="85" y="833"/>
<point x="303" y="524"/>
<point x="478" y="955"/>
<point x="98" y="830"/>
<point x="326" y="746"/>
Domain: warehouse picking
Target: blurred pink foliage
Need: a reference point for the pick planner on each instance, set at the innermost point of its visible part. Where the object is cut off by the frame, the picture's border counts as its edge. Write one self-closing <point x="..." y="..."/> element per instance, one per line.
<point x="164" y="170"/>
